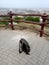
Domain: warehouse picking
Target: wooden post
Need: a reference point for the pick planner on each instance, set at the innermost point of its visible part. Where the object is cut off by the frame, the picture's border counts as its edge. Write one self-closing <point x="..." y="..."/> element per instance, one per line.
<point x="43" y="24"/>
<point x="42" y="29"/>
<point x="11" y="20"/>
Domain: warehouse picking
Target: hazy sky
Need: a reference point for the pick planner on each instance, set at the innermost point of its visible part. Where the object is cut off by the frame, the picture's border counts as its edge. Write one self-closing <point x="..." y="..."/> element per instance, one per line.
<point x="24" y="3"/>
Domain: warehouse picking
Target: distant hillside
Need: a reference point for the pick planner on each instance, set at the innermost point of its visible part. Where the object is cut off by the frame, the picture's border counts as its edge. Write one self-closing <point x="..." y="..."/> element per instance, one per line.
<point x="24" y="11"/>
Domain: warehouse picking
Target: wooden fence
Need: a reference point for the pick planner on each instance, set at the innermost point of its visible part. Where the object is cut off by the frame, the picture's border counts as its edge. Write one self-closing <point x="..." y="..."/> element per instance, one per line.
<point x="43" y="24"/>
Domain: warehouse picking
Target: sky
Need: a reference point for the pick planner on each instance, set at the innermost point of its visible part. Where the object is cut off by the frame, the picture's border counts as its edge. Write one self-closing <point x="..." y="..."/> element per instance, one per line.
<point x="24" y="3"/>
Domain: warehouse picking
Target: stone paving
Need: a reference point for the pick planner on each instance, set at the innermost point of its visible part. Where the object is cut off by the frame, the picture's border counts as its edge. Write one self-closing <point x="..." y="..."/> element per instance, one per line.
<point x="9" y="45"/>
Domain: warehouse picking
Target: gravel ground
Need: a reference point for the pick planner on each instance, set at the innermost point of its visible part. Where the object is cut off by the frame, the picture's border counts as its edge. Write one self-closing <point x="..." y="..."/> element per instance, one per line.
<point x="9" y="46"/>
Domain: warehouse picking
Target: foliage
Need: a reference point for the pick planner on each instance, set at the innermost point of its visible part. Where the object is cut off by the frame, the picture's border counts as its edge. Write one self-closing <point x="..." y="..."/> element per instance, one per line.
<point x="18" y="18"/>
<point x="30" y="18"/>
<point x="4" y="18"/>
<point x="36" y="19"/>
<point x="6" y="23"/>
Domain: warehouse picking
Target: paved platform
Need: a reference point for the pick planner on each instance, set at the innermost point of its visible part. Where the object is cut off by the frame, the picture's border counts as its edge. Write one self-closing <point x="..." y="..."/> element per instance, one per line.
<point x="9" y="45"/>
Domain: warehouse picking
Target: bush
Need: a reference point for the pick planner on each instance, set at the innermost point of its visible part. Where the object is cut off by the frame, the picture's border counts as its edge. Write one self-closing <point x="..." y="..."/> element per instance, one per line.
<point x="4" y="23"/>
<point x="36" y="19"/>
<point x="18" y="18"/>
<point x="4" y="18"/>
<point x="30" y="18"/>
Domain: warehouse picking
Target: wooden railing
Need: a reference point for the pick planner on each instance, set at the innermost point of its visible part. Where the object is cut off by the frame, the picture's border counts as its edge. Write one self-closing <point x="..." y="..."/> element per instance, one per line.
<point x="43" y="24"/>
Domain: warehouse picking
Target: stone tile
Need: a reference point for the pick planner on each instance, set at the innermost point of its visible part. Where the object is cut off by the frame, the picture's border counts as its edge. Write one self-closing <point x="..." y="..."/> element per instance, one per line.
<point x="9" y="46"/>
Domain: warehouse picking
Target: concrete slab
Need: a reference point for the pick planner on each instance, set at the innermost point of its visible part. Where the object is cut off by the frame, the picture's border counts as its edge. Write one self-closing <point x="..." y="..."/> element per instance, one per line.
<point x="9" y="45"/>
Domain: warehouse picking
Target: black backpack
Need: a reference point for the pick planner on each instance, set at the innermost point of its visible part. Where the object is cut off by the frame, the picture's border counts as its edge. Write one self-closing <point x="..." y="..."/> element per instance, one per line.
<point x="24" y="46"/>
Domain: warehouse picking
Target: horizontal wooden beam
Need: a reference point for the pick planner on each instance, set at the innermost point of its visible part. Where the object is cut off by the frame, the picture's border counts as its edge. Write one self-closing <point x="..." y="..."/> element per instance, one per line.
<point x="4" y="15"/>
<point x="4" y="20"/>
